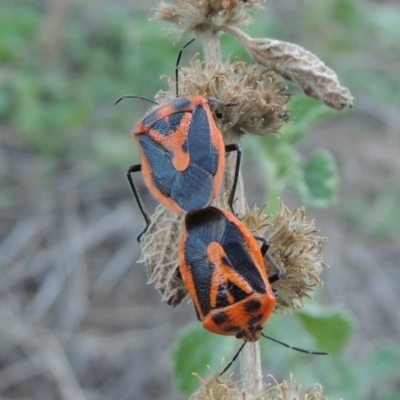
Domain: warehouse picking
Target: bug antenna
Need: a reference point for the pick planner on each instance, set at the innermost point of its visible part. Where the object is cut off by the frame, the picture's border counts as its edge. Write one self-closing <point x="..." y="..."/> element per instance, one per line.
<point x="233" y="359"/>
<point x="315" y="353"/>
<point x="177" y="64"/>
<point x="129" y="96"/>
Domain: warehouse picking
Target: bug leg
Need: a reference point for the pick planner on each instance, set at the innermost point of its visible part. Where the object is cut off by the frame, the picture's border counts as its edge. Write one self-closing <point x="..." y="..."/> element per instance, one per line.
<point x="265" y="244"/>
<point x="220" y="103"/>
<point x="197" y="313"/>
<point x="178" y="273"/>
<point x="229" y="148"/>
<point x="275" y="266"/>
<point x="130" y="170"/>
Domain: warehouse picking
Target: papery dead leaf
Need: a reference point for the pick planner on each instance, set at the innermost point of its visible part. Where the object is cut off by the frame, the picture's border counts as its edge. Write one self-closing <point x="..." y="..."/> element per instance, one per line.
<point x="298" y="65"/>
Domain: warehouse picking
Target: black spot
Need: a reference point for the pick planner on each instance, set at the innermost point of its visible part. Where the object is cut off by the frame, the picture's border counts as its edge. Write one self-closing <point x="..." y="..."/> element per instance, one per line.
<point x="222" y="297"/>
<point x="162" y="127"/>
<point x="236" y="292"/>
<point x="150" y="119"/>
<point x="240" y="334"/>
<point x="232" y="329"/>
<point x="181" y="103"/>
<point x="252" y="305"/>
<point x="220" y="318"/>
<point x="255" y="320"/>
<point x="175" y="121"/>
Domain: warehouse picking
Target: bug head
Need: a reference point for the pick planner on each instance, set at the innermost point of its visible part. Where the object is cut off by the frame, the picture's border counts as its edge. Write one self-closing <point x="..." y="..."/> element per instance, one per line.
<point x="250" y="334"/>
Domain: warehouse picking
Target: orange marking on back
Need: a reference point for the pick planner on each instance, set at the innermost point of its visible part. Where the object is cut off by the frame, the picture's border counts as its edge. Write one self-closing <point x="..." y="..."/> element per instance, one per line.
<point x="174" y="142"/>
<point x="223" y="274"/>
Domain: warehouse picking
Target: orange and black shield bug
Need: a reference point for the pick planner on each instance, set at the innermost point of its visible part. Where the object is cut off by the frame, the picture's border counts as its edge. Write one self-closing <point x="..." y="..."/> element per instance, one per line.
<point x="182" y="153"/>
<point x="223" y="269"/>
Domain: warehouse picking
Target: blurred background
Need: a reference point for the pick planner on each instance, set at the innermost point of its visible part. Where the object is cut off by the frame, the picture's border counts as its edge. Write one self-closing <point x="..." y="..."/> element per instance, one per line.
<point x="77" y="318"/>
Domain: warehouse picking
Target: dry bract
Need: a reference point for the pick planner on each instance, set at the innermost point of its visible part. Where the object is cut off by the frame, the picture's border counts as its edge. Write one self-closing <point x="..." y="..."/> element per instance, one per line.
<point x="214" y="388"/>
<point x="290" y="390"/>
<point x="203" y="15"/>
<point x="260" y="98"/>
<point x="160" y="246"/>
<point x="296" y="248"/>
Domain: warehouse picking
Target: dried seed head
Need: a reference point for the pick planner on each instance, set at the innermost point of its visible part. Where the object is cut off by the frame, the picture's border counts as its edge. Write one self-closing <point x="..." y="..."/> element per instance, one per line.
<point x="261" y="100"/>
<point x="296" y="248"/>
<point x="299" y="66"/>
<point x="160" y="246"/>
<point x="291" y="391"/>
<point x="214" y="388"/>
<point x="202" y="15"/>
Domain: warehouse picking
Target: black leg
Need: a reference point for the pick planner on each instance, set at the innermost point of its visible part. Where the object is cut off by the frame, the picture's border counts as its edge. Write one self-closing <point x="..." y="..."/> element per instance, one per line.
<point x="178" y="273"/>
<point x="197" y="313"/>
<point x="275" y="266"/>
<point x="216" y="101"/>
<point x="130" y="170"/>
<point x="265" y="245"/>
<point x="229" y="148"/>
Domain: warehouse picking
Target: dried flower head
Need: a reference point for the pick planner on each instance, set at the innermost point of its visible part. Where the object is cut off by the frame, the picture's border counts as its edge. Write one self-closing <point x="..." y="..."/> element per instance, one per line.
<point x="160" y="246"/>
<point x="296" y="248"/>
<point x="203" y="15"/>
<point x="260" y="98"/>
<point x="290" y="390"/>
<point x="214" y="388"/>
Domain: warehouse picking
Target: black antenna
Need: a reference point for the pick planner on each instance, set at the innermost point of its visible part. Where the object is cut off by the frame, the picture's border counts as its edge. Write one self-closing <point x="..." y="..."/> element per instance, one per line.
<point x="177" y="64"/>
<point x="233" y="359"/>
<point x="315" y="353"/>
<point x="130" y="96"/>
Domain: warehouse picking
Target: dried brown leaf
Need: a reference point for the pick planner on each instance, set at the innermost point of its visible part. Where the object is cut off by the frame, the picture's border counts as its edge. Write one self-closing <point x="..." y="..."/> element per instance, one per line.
<point x="298" y="65"/>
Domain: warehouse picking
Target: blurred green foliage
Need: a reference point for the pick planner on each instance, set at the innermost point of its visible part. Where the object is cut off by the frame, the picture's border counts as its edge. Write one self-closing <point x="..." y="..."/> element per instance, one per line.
<point x="58" y="84"/>
<point x="56" y="100"/>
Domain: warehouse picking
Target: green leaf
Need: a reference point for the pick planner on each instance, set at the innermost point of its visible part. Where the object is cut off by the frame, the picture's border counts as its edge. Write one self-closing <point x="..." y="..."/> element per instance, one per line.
<point x="305" y="112"/>
<point x="330" y="328"/>
<point x="320" y="180"/>
<point x="195" y="350"/>
<point x="382" y="365"/>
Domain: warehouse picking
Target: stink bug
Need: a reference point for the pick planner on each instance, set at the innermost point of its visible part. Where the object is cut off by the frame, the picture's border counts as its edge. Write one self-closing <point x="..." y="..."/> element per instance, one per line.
<point x="222" y="267"/>
<point x="182" y="153"/>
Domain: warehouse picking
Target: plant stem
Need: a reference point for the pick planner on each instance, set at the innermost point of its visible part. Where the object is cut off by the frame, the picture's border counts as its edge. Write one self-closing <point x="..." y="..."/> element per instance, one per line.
<point x="250" y="360"/>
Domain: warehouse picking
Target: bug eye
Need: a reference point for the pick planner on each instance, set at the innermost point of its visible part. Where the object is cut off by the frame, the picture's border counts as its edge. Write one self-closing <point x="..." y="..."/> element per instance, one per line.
<point x="219" y="114"/>
<point x="240" y="334"/>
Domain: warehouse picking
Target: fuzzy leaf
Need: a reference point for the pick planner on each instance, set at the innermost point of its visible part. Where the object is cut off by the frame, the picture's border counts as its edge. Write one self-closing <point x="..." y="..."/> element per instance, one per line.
<point x="195" y="350"/>
<point x="305" y="112"/>
<point x="331" y="330"/>
<point x="321" y="180"/>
